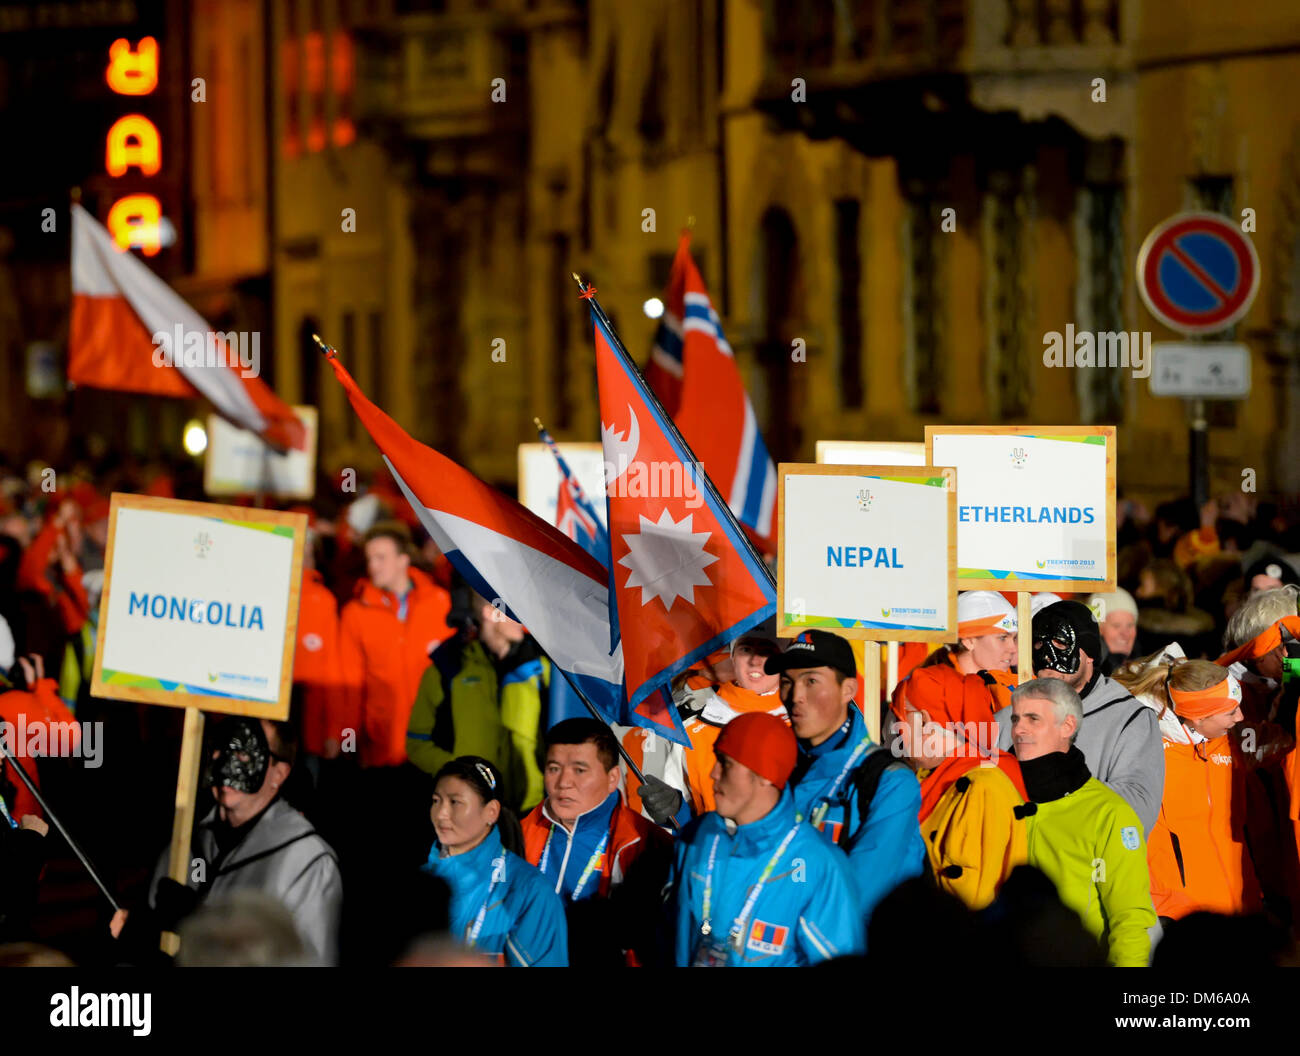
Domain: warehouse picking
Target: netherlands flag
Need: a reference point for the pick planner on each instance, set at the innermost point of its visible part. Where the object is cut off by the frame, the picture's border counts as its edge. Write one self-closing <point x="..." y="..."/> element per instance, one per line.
<point x="504" y="550"/>
<point x="118" y="304"/>
<point x="715" y="414"/>
<point x="684" y="582"/>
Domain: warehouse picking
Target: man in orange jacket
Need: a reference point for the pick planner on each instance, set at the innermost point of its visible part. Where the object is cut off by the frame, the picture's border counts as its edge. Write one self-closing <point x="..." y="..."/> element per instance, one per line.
<point x="398" y="617"/>
<point x="316" y="662"/>
<point x="606" y="862"/>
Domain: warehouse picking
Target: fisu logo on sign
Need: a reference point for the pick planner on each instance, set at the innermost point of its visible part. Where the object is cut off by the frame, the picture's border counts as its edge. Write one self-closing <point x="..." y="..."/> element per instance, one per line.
<point x="202" y="544"/>
<point x="1018" y="457"/>
<point x="865" y="498"/>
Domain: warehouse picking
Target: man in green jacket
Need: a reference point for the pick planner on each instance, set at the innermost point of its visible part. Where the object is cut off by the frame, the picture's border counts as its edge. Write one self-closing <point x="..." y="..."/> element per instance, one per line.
<point x="1082" y="835"/>
<point x="484" y="694"/>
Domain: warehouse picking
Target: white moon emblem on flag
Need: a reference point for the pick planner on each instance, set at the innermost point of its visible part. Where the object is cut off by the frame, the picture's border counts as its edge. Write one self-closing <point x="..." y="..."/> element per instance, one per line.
<point x="619" y="451"/>
<point x="667" y="559"/>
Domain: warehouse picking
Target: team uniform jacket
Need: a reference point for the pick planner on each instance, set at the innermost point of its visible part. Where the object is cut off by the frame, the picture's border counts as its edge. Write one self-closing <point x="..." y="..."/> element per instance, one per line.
<point x="804" y="914"/>
<point x="630" y="836"/>
<point x="1089" y="844"/>
<point x="382" y="658"/>
<point x="613" y="920"/>
<point x="973" y="837"/>
<point x="885" y="847"/>
<point x="40" y="707"/>
<point x="282" y="856"/>
<point x="523" y="924"/>
<point x="705" y="709"/>
<point x="316" y="664"/>
<point x="470" y="703"/>
<point x="1198" y="851"/>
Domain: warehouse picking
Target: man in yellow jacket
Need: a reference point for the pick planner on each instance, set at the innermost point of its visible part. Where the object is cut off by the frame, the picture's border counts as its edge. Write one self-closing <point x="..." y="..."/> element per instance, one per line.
<point x="485" y="695"/>
<point x="1081" y="834"/>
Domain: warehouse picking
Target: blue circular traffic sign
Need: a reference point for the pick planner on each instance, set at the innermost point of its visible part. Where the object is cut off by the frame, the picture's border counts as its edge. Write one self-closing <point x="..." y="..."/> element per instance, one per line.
<point x="1198" y="273"/>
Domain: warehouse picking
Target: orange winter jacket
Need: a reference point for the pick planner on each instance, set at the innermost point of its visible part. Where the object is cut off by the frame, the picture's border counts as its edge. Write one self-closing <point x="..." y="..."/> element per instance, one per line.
<point x="29" y="715"/>
<point x="630" y="837"/>
<point x="316" y="664"/>
<point x="381" y="659"/>
<point x="717" y="706"/>
<point x="68" y="596"/>
<point x="1197" y="851"/>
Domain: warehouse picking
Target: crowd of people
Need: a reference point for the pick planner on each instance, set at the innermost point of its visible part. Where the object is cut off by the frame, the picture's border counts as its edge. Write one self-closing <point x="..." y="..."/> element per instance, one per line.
<point x="427" y="801"/>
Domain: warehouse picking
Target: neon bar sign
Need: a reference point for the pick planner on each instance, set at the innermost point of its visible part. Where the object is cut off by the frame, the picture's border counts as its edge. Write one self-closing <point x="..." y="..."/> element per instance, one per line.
<point x="133" y="142"/>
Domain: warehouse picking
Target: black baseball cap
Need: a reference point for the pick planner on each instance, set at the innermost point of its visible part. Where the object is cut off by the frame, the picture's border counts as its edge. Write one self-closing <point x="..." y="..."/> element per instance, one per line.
<point x="814" y="649"/>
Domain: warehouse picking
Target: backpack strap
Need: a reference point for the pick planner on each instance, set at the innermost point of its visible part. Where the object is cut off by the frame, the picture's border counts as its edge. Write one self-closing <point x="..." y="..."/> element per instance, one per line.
<point x="866" y="780"/>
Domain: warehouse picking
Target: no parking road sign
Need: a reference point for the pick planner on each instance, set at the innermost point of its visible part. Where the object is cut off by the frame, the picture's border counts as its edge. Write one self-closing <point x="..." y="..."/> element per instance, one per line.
<point x="1198" y="273"/>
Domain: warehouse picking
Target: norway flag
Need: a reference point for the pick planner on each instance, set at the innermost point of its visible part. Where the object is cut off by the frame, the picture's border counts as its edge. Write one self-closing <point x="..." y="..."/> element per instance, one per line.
<point x="715" y="414"/>
<point x="504" y="550"/>
<point x="683" y="580"/>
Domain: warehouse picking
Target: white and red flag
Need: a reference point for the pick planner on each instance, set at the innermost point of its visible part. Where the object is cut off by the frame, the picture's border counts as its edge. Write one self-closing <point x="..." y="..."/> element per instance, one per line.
<point x="119" y="307"/>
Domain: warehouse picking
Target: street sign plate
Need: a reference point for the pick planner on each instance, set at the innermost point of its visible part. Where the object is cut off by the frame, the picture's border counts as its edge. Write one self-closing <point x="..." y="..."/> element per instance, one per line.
<point x="1200" y="371"/>
<point x="1198" y="273"/>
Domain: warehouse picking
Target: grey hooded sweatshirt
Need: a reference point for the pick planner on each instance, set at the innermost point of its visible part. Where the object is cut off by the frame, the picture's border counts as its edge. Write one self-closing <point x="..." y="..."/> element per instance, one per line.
<point x="281" y="856"/>
<point x="1121" y="743"/>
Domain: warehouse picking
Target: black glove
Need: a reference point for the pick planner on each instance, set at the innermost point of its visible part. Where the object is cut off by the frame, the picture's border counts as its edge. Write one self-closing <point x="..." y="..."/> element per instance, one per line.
<point x="660" y="800"/>
<point x="173" y="902"/>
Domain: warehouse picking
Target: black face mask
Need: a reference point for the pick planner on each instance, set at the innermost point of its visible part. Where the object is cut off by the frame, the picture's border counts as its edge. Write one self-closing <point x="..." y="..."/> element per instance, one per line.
<point x="1056" y="647"/>
<point x="243" y="757"/>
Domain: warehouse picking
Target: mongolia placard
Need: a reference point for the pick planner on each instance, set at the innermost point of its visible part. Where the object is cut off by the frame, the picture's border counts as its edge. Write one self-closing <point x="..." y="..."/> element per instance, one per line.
<point x="1035" y="505"/>
<point x="200" y="606"/>
<point x="868" y="552"/>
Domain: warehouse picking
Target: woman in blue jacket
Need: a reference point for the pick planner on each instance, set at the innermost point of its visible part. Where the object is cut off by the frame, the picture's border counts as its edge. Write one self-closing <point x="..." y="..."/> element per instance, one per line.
<point x="500" y="905"/>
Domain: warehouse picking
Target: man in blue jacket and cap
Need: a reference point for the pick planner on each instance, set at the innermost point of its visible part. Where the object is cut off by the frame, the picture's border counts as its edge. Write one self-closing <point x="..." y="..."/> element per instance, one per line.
<point x="861" y="797"/>
<point x="753" y="885"/>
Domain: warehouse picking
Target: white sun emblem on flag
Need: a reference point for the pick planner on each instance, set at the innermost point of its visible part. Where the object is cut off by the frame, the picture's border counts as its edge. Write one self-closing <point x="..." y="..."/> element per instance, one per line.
<point x="667" y="559"/>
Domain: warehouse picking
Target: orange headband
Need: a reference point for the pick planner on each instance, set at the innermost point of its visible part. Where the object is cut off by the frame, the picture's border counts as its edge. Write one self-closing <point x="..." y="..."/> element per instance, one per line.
<point x="1202" y="703"/>
<point x="985" y="625"/>
<point x="1264" y="643"/>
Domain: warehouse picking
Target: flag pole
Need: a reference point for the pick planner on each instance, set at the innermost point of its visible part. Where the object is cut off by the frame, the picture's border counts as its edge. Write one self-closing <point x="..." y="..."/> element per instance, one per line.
<point x="5" y="757"/>
<point x="331" y="352"/>
<point x="589" y="295"/>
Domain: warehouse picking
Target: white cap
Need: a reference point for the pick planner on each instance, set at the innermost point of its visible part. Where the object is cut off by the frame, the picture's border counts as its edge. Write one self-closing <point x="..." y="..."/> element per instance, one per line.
<point x="981" y="612"/>
<point x="1041" y="600"/>
<point x="1119" y="600"/>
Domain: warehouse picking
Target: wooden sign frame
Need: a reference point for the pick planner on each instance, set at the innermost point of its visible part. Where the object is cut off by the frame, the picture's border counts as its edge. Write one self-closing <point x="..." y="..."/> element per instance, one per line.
<point x="876" y="448"/>
<point x="870" y="634"/>
<point x="1017" y="583"/>
<point x="227" y="704"/>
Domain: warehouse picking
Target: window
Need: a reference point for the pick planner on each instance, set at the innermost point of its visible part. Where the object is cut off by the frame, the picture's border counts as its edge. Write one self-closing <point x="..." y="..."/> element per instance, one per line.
<point x="1099" y="296"/>
<point x="848" y="303"/>
<point x="922" y="303"/>
<point x="1006" y="302"/>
